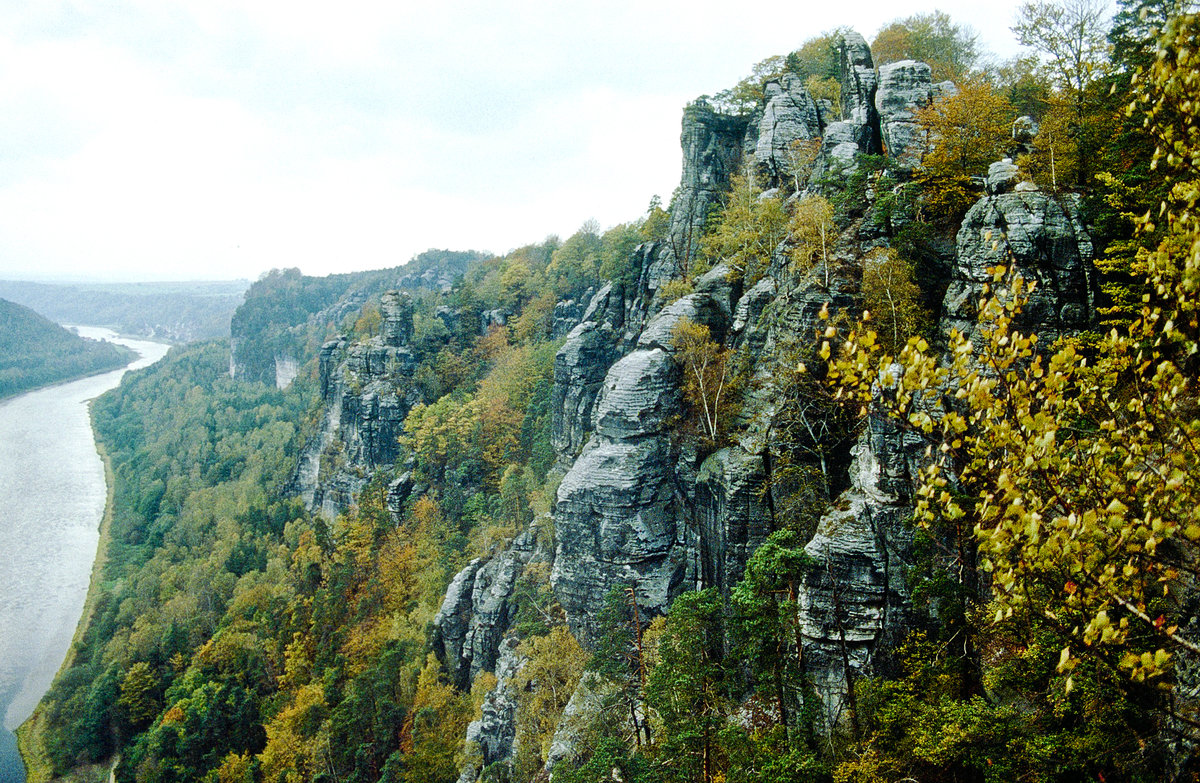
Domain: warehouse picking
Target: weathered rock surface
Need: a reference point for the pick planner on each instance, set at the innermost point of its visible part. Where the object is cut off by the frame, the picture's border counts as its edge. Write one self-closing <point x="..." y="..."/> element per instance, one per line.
<point x="477" y="609"/>
<point x="579" y="369"/>
<point x="789" y="117"/>
<point x="492" y="737"/>
<point x="855" y="599"/>
<point x="366" y="397"/>
<point x="904" y="87"/>
<point x="1045" y="240"/>
<point x="396" y="310"/>
<point x="712" y="152"/>
<point x="731" y="515"/>
<point x="859" y="83"/>
<point x="617" y="525"/>
<point x="1002" y="177"/>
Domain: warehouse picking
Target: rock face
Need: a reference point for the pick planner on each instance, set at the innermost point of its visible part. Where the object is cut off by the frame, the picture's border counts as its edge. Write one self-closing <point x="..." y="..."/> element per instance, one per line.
<point x="712" y="152"/>
<point x="855" y="599"/>
<point x="859" y="83"/>
<point x="904" y="87"/>
<point x="732" y="516"/>
<point x="396" y="310"/>
<point x="579" y="368"/>
<point x="789" y="117"/>
<point x="493" y="735"/>
<point x="1041" y="237"/>
<point x="477" y="610"/>
<point x="366" y="396"/>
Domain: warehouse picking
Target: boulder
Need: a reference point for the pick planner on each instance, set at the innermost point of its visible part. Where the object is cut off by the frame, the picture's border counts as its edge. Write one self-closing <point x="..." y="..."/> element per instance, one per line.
<point x="1002" y="177"/>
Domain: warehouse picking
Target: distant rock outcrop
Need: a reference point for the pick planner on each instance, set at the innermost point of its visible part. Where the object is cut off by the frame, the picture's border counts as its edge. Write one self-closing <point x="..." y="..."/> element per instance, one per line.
<point x="366" y="398"/>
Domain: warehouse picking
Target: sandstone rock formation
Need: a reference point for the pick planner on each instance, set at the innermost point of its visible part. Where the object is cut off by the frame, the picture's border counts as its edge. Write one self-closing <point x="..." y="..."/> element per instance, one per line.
<point x="366" y="398"/>
<point x="1041" y="237"/>
<point x="790" y="117"/>
<point x="904" y="87"/>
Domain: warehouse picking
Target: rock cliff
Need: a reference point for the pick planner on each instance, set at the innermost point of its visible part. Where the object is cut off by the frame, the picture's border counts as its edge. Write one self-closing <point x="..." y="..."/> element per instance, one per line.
<point x="366" y="393"/>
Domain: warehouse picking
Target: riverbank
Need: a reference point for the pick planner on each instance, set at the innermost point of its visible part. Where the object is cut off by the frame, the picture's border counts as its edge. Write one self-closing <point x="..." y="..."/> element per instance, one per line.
<point x="132" y="357"/>
<point x="30" y="734"/>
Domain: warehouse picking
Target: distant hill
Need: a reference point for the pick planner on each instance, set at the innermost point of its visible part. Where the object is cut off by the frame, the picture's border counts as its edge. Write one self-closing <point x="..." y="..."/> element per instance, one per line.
<point x="175" y="312"/>
<point x="35" y="351"/>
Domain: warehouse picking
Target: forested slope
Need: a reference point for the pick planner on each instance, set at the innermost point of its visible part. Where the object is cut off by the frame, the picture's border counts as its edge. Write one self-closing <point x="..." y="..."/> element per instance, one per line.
<point x="35" y="351"/>
<point x="871" y="458"/>
<point x="170" y="312"/>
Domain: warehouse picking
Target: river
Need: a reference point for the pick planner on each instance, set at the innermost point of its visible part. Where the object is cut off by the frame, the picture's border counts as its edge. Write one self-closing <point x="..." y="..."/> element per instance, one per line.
<point x="52" y="496"/>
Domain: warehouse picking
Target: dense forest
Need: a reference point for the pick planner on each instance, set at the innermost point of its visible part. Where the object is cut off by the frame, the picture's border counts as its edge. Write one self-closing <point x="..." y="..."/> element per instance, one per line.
<point x="37" y="352"/>
<point x="874" y="461"/>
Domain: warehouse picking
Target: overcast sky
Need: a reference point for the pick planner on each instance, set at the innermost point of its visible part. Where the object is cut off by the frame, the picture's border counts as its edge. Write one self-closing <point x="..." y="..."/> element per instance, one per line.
<point x="217" y="139"/>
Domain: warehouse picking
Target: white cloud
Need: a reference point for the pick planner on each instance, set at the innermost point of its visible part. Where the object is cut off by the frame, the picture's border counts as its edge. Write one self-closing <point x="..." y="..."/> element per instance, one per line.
<point x="219" y="138"/>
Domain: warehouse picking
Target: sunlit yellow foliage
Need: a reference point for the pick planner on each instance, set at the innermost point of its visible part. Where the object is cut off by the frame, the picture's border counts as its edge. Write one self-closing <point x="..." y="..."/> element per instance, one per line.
<point x="1080" y="477"/>
<point x="545" y="683"/>
<point x="434" y="726"/>
<point x="290" y="756"/>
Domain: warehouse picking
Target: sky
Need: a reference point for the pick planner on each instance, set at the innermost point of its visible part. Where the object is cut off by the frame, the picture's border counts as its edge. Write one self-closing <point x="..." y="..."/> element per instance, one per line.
<point x="218" y="139"/>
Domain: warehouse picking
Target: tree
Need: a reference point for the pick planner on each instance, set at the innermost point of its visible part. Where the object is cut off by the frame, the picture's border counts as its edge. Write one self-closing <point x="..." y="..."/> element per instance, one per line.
<point x="1079" y="474"/>
<point x="766" y="623"/>
<point x="706" y="375"/>
<point x="747" y="231"/>
<point x="1071" y="37"/>
<point x="812" y="231"/>
<point x="951" y="50"/>
<point x="893" y="298"/>
<point x="687" y="689"/>
<point x="966" y="132"/>
<point x="545" y="684"/>
<point x="141" y="694"/>
<point x="745" y="96"/>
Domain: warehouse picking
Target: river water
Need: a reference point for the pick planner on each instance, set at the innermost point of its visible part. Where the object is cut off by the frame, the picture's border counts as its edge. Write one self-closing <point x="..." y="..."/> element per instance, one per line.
<point x="52" y="496"/>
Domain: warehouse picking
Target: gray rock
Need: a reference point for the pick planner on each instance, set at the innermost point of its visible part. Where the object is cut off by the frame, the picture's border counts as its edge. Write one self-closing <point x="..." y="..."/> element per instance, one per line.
<point x="639" y="396"/>
<point x="1024" y="128"/>
<point x="450" y="318"/>
<point x="397" y="311"/>
<point x="569" y="313"/>
<point x="789" y="116"/>
<point x="712" y="152"/>
<point x="858" y="90"/>
<point x="698" y="307"/>
<point x="1002" y="177"/>
<point x="747" y="329"/>
<point x="476" y="612"/>
<point x="1045" y="240"/>
<point x="616" y="525"/>
<point x="492" y="738"/>
<point x="489" y="319"/>
<point x="579" y="368"/>
<point x="904" y="87"/>
<point x="732" y="518"/>
<point x="855" y="601"/>
<point x="365" y="403"/>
